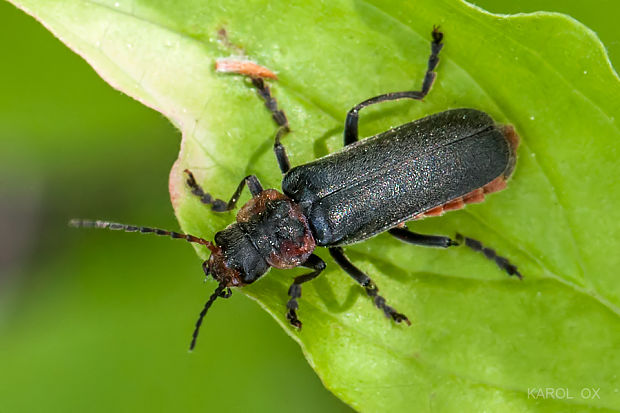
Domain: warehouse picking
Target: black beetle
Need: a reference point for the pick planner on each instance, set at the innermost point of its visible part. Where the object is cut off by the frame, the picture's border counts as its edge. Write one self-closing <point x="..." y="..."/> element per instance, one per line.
<point x="418" y="169"/>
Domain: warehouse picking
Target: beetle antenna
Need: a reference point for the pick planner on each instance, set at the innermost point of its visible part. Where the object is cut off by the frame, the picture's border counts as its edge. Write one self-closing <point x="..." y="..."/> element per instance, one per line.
<point x="219" y="292"/>
<point x="115" y="226"/>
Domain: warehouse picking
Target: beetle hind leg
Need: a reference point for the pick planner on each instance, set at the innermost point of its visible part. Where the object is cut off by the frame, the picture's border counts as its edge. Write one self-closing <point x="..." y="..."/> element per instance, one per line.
<point x="502" y="262"/>
<point x="371" y="288"/>
<point x="440" y="241"/>
<point x="410" y="237"/>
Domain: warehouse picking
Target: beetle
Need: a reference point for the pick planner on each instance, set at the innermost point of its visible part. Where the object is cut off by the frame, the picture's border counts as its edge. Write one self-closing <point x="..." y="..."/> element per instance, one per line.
<point x="423" y="168"/>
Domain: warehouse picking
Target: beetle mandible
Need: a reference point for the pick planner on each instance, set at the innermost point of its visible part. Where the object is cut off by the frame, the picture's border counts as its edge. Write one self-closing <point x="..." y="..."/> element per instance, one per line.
<point x="419" y="169"/>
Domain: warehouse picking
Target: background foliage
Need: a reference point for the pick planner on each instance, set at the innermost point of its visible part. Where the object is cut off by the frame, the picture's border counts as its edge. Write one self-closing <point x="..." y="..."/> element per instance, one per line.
<point x="83" y="317"/>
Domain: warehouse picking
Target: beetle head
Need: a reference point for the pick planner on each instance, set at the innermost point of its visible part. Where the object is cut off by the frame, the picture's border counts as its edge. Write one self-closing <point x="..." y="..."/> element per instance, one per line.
<point x="234" y="260"/>
<point x="234" y="268"/>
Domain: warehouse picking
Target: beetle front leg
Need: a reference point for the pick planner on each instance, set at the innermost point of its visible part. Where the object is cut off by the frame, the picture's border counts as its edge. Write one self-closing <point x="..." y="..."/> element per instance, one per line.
<point x="351" y="122"/>
<point x="219" y="205"/>
<point x="280" y="118"/>
<point x="318" y="265"/>
<point x="371" y="288"/>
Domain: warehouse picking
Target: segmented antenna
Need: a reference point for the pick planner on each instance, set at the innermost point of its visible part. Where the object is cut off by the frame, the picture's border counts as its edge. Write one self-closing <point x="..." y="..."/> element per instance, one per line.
<point x="219" y="292"/>
<point x="115" y="226"/>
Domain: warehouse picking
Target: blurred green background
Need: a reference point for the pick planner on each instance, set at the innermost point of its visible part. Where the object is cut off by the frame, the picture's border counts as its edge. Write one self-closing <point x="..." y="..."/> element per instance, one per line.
<point x="96" y="321"/>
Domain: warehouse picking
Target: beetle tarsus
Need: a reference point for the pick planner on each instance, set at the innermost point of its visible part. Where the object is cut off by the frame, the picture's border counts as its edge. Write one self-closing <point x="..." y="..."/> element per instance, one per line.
<point x="380" y="303"/>
<point x="291" y="316"/>
<point x="400" y="318"/>
<point x="437" y="35"/>
<point x="279" y="118"/>
<point x="364" y="280"/>
<point x="292" y="305"/>
<point x="502" y="262"/>
<point x="294" y="291"/>
<point x="218" y="205"/>
<point x="205" y="197"/>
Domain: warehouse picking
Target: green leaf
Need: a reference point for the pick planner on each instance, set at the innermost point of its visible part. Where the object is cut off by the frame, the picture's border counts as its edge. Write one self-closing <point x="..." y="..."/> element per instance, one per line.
<point x="479" y="340"/>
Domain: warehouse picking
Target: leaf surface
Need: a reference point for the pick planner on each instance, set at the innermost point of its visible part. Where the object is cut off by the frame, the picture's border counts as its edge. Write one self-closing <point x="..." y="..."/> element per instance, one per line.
<point x="479" y="340"/>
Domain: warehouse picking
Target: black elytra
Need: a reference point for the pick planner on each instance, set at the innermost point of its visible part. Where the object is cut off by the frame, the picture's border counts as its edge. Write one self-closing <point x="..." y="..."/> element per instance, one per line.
<point x="422" y="168"/>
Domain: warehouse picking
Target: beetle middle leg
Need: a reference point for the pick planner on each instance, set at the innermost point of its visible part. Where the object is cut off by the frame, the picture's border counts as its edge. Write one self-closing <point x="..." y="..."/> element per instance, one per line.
<point x="352" y="120"/>
<point x="219" y="205"/>
<point x="318" y="265"/>
<point x="368" y="284"/>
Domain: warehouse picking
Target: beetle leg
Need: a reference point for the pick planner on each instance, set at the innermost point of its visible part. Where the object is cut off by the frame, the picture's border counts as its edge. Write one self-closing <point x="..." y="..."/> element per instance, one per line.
<point x="280" y="118"/>
<point x="318" y="265"/>
<point x="404" y="234"/>
<point x="445" y="242"/>
<point x="219" y="205"/>
<point x="367" y="283"/>
<point x="350" y="125"/>
<point x="501" y="262"/>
